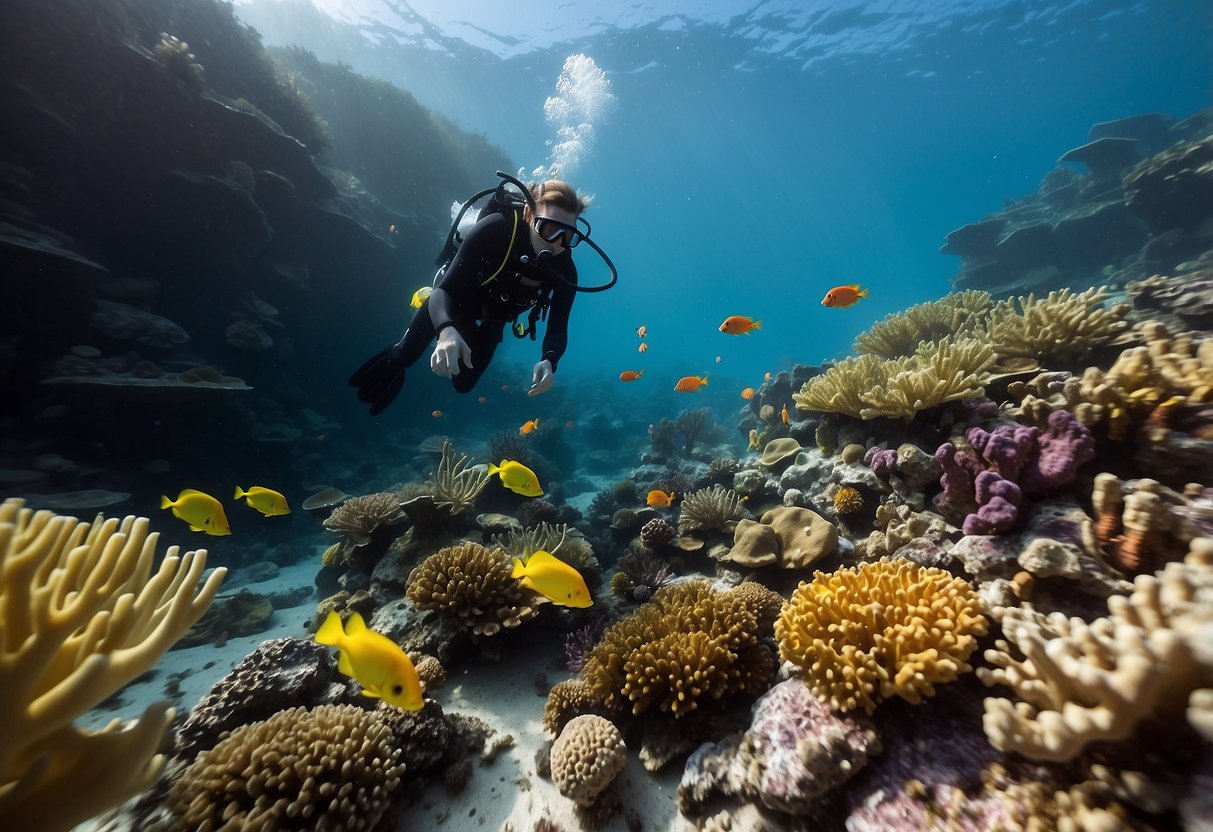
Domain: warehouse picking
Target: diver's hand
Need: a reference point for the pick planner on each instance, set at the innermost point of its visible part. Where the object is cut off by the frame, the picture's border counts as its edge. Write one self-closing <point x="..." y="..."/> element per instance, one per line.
<point x="542" y="378"/>
<point x="451" y="348"/>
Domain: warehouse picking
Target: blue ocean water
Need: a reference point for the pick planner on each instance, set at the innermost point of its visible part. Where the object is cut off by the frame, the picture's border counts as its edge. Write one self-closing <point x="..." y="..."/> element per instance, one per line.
<point x="758" y="154"/>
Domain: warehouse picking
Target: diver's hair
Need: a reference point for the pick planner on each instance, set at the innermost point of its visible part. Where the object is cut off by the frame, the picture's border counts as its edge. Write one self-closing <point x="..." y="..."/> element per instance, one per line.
<point x="559" y="193"/>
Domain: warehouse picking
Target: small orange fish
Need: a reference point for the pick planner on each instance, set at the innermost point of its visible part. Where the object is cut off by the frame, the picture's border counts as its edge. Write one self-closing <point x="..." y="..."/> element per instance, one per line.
<point x="482" y="400"/>
<point x="570" y="424"/>
<point x="642" y="330"/>
<point x="739" y="325"/>
<point x="783" y="414"/>
<point x="643" y="348"/>
<point x="840" y="297"/>
<point x="660" y="499"/>
<point x="748" y="393"/>
<point x="527" y="427"/>
<point x="630" y="375"/>
<point x="689" y="384"/>
<point x="436" y="413"/>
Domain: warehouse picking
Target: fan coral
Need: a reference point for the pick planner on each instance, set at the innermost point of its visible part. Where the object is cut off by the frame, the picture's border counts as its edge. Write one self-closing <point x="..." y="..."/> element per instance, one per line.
<point x="881" y="629"/>
<point x="333" y="767"/>
<point x="1063" y="327"/>
<point x="359" y="517"/>
<point x="82" y="614"/>
<point x="474" y="583"/>
<point x="901" y="332"/>
<point x="867" y="386"/>
<point x="847" y="500"/>
<point x="687" y="647"/>
<point x="586" y="758"/>
<point x="455" y="485"/>
<point x="1081" y="682"/>
<point x="710" y="509"/>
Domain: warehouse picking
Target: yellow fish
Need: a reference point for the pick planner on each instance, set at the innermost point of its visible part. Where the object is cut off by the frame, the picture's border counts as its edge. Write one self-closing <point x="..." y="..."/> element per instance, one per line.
<point x="553" y="579"/>
<point x="660" y="499"/>
<point x="783" y="414"/>
<point x="266" y="500"/>
<point x="517" y="477"/>
<point x="201" y="511"/>
<point x="420" y="295"/>
<point x="374" y="660"/>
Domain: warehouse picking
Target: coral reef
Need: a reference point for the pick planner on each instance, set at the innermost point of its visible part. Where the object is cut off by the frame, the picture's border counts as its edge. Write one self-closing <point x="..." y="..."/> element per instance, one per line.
<point x="1060" y="329"/>
<point x="586" y="758"/>
<point x="901" y="333"/>
<point x="474" y="584"/>
<point x="709" y="509"/>
<point x="687" y="647"/>
<point x="882" y="629"/>
<point x="84" y="610"/>
<point x="335" y="766"/>
<point x="357" y="518"/>
<point x="1078" y="682"/>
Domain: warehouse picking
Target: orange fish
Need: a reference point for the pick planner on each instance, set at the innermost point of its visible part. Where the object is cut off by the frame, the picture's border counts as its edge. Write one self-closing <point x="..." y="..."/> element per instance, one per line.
<point x="642" y="330"/>
<point x="739" y="325"/>
<point x="436" y="413"/>
<point x="570" y="424"/>
<point x="643" y="348"/>
<point x="783" y="414"/>
<point x="840" y="297"/>
<point x="660" y="499"/>
<point x="748" y="393"/>
<point x="689" y="384"/>
<point x="527" y="427"/>
<point x="630" y="375"/>
<point x="482" y="400"/>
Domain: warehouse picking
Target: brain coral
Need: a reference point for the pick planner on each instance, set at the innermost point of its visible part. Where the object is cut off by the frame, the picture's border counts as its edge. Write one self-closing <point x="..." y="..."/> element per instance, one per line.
<point x="474" y="583"/>
<point x="688" y="646"/>
<point x="586" y="757"/>
<point x="333" y="767"/>
<point x="881" y="629"/>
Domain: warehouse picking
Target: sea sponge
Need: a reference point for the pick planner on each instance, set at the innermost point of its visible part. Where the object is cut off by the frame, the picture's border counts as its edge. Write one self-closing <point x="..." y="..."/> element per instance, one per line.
<point x="333" y="767"/>
<point x="475" y="584"/>
<point x="586" y="758"/>
<point x="900" y="333"/>
<point x="82" y="614"/>
<point x="1061" y="328"/>
<point x="711" y="509"/>
<point x="881" y="629"/>
<point x="358" y="518"/>
<point x="1081" y="682"/>
<point x="685" y="648"/>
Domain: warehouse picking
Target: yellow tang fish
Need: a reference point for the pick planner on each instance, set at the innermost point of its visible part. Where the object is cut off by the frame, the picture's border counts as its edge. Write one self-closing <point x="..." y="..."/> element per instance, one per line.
<point x="553" y="579"/>
<point x="420" y="295"/>
<point x="201" y="511"/>
<point x="374" y="660"/>
<point x="517" y="478"/>
<point x="266" y="500"/>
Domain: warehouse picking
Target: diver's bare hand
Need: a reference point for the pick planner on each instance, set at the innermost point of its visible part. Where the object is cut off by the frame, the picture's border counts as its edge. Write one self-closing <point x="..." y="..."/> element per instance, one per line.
<point x="447" y="354"/>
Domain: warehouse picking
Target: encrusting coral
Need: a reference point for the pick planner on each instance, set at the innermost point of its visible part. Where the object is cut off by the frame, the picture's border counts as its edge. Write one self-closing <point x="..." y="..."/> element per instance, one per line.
<point x="900" y="333"/>
<point x="83" y="610"/>
<point x="867" y="386"/>
<point x="333" y="767"/>
<point x="586" y="758"/>
<point x="1080" y="682"/>
<point x="685" y="648"/>
<point x="881" y="629"/>
<point x="475" y="584"/>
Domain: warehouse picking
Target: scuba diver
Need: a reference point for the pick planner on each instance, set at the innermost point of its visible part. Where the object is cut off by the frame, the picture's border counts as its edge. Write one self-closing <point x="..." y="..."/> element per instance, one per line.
<point x="515" y="261"/>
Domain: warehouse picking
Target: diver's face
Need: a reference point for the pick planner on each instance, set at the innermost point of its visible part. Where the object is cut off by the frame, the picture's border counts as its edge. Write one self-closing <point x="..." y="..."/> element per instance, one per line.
<point x="548" y="228"/>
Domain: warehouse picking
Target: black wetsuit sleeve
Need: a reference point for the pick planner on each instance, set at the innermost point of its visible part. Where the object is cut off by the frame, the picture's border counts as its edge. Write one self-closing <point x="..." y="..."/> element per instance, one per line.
<point x="483" y="248"/>
<point x="556" y="335"/>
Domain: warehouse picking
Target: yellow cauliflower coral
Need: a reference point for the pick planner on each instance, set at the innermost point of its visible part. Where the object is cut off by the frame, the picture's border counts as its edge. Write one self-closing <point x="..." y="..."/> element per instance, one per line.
<point x="881" y="629"/>
<point x="687" y="646"/>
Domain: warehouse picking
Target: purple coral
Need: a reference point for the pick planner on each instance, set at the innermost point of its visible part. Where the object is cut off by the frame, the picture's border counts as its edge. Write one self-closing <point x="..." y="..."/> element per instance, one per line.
<point x="882" y="461"/>
<point x="1063" y="446"/>
<point x="998" y="502"/>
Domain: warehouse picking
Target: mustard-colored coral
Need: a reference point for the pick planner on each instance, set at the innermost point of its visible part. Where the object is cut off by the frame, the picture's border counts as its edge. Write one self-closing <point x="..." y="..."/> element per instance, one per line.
<point x="333" y="767"/>
<point x="586" y="758"/>
<point x="847" y="500"/>
<point x="867" y="386"/>
<point x="1081" y="682"/>
<point x="685" y="648"/>
<point x="475" y="584"/>
<point x="881" y="629"/>
<point x="900" y="333"/>
<point x="84" y="609"/>
<point x="1063" y="327"/>
<point x="566" y="700"/>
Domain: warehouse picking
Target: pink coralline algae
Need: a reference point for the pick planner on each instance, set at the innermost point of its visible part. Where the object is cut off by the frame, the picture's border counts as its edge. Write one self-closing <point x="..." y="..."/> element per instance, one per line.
<point x="990" y="479"/>
<point x="882" y="461"/>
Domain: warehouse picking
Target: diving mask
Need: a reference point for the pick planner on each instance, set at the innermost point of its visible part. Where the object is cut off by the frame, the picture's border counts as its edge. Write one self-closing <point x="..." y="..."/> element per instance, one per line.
<point x="550" y="231"/>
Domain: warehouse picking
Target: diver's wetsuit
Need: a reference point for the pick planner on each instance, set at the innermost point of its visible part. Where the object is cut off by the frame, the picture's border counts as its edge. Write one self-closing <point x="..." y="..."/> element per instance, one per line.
<point x="479" y="310"/>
